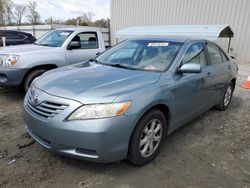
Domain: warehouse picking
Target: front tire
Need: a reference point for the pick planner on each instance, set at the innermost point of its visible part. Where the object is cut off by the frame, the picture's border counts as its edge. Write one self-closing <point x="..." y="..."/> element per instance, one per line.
<point x="147" y="138"/>
<point x="30" y="77"/>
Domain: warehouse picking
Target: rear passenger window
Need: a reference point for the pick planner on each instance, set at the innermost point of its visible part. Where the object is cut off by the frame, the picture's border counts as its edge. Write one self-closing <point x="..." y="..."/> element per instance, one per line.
<point x="214" y="54"/>
<point x="13" y="36"/>
<point x="195" y="54"/>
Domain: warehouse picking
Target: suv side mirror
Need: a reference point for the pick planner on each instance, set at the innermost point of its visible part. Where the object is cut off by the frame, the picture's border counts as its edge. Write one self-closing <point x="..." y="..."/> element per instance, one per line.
<point x="74" y="45"/>
<point x="190" y="68"/>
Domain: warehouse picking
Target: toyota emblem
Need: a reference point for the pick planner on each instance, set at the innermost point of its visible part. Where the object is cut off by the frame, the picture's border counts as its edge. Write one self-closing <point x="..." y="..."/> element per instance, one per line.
<point x="35" y="99"/>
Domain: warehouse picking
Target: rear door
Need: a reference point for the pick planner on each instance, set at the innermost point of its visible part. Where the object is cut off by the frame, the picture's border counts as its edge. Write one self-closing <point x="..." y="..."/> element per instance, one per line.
<point x="219" y="67"/>
<point x="89" y="48"/>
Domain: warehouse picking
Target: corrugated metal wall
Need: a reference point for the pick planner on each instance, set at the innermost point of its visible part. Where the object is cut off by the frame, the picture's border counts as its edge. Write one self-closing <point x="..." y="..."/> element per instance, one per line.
<point x="236" y="13"/>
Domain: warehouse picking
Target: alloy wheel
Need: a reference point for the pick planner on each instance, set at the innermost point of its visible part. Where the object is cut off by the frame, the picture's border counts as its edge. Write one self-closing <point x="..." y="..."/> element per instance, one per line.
<point x="150" y="138"/>
<point x="228" y="95"/>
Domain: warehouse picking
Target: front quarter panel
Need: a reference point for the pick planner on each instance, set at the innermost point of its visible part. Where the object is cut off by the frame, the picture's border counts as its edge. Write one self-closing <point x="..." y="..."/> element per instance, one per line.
<point x="146" y="98"/>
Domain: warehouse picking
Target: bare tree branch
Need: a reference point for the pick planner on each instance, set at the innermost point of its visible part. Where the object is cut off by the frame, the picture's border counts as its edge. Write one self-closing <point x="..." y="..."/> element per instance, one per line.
<point x="9" y="11"/>
<point x="19" y="12"/>
<point x="33" y="15"/>
<point x="2" y="11"/>
<point x="87" y="17"/>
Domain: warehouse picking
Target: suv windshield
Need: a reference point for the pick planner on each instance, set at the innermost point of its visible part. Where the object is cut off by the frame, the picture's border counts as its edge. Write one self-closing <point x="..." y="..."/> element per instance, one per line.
<point x="141" y="54"/>
<point x="54" y="38"/>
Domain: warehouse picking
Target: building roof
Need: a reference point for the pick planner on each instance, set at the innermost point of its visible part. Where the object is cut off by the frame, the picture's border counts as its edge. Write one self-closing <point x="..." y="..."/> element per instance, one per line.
<point x="209" y="32"/>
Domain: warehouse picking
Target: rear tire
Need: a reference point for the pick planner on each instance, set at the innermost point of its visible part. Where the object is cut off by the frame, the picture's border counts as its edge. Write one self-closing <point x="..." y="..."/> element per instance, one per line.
<point x="227" y="97"/>
<point x="147" y="138"/>
<point x="31" y="76"/>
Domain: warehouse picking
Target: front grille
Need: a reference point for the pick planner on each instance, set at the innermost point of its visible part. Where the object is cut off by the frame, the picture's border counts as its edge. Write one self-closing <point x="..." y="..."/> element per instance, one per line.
<point x="46" y="109"/>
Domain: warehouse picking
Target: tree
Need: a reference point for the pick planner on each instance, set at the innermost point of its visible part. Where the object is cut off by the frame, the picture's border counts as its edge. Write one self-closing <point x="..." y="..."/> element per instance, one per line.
<point x="48" y="21"/>
<point x="33" y="16"/>
<point x="2" y="11"/>
<point x="90" y="16"/>
<point x="87" y="17"/>
<point x="19" y="12"/>
<point x="102" y="23"/>
<point x="9" y="6"/>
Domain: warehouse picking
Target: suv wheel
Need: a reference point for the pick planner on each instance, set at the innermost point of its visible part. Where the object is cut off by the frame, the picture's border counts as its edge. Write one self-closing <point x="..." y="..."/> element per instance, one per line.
<point x="147" y="138"/>
<point x="31" y="76"/>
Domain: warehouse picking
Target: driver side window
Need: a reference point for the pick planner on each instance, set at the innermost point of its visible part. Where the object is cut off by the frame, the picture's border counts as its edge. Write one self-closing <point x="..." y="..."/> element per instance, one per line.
<point x="88" y="40"/>
<point x="195" y="54"/>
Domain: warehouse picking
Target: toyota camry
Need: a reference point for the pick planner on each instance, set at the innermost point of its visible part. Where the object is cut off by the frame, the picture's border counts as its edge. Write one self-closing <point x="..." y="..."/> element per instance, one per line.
<point x="122" y="104"/>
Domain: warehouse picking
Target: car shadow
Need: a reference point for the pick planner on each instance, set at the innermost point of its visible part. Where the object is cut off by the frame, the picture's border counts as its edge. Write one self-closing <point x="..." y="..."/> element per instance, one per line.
<point x="13" y="94"/>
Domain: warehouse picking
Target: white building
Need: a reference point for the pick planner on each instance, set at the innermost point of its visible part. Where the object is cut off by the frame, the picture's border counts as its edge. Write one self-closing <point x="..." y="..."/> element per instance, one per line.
<point x="236" y="13"/>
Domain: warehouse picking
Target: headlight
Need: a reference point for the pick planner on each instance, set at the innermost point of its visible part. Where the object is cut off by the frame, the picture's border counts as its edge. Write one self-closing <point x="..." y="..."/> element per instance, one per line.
<point x="95" y="111"/>
<point x="8" y="60"/>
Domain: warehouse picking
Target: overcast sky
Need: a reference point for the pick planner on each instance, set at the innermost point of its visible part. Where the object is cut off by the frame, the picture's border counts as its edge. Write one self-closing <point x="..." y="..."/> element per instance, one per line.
<point x="64" y="9"/>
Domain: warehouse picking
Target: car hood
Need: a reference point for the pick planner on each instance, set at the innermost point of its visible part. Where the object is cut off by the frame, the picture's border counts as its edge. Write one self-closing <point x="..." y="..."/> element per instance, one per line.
<point x="94" y="83"/>
<point x="26" y="48"/>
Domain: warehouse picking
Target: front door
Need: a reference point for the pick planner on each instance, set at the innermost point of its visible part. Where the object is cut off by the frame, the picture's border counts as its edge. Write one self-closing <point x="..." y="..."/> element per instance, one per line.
<point x="191" y="89"/>
<point x="89" y="48"/>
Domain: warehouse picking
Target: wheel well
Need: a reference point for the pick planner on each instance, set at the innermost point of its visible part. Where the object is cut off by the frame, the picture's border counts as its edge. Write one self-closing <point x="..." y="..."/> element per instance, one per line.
<point x="234" y="82"/>
<point x="46" y="67"/>
<point x="164" y="109"/>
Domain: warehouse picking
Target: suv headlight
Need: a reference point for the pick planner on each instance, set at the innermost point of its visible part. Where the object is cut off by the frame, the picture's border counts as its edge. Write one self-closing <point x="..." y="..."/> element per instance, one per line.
<point x="95" y="111"/>
<point x="8" y="60"/>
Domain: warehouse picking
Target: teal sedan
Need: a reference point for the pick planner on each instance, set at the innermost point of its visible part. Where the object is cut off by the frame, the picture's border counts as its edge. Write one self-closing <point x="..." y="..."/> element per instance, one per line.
<point x="122" y="104"/>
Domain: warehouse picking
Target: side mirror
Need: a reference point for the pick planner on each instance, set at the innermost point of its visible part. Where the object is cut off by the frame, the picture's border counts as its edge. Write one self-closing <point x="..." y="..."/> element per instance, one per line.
<point x="190" y="68"/>
<point x="74" y="45"/>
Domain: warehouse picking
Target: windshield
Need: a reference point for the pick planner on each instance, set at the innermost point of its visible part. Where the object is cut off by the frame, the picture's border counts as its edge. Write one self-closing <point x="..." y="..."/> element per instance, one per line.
<point x="154" y="55"/>
<point x="54" y="38"/>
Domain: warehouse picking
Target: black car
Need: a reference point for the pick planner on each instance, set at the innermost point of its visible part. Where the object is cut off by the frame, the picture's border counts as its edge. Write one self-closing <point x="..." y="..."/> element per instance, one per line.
<point x="16" y="37"/>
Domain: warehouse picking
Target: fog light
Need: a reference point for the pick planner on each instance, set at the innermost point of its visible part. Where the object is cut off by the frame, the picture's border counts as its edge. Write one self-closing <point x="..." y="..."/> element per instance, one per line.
<point x="3" y="78"/>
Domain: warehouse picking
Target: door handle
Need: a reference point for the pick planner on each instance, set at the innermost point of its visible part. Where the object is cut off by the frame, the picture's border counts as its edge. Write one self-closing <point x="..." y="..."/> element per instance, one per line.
<point x="229" y="66"/>
<point x="209" y="75"/>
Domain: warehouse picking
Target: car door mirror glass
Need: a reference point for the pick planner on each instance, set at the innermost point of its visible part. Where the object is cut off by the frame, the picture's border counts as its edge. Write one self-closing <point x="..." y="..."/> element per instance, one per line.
<point x="74" y="45"/>
<point x="190" y="68"/>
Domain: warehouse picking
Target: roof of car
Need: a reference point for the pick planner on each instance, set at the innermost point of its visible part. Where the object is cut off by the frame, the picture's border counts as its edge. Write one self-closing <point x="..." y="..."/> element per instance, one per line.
<point x="7" y="30"/>
<point x="79" y="28"/>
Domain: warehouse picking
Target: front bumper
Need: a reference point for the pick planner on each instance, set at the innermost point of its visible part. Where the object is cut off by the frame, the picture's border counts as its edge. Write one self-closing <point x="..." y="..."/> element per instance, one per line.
<point x="100" y="140"/>
<point x="11" y="77"/>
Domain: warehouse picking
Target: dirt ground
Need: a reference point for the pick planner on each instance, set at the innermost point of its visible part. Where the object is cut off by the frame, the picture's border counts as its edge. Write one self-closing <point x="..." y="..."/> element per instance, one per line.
<point x="211" y="151"/>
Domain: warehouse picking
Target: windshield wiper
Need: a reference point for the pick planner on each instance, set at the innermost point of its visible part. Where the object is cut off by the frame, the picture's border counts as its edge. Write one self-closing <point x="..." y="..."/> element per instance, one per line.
<point x="112" y="65"/>
<point x="120" y="66"/>
<point x="95" y="60"/>
<point x="41" y="44"/>
<point x="44" y="45"/>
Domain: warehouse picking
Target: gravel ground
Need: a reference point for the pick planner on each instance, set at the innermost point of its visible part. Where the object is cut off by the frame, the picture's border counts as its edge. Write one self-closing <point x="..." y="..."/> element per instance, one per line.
<point x="211" y="151"/>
